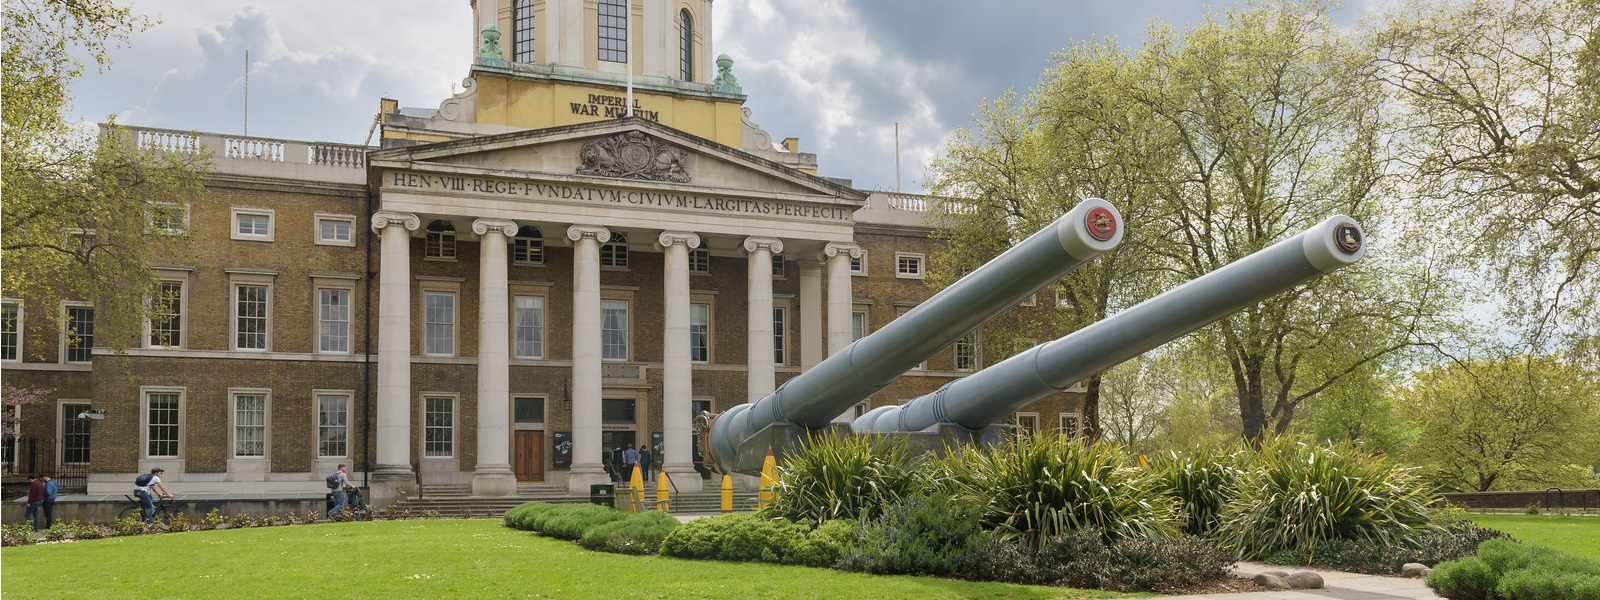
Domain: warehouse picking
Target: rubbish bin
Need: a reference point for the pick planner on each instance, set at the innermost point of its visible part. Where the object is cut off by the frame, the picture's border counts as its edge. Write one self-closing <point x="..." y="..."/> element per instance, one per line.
<point x="604" y="494"/>
<point x="329" y="500"/>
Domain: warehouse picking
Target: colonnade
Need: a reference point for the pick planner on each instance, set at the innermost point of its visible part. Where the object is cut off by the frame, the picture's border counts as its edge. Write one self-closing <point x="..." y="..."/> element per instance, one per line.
<point x="492" y="475"/>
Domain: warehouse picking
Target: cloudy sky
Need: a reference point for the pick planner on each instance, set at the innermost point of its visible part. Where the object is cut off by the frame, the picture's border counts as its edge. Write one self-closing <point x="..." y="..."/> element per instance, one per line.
<point x="838" y="74"/>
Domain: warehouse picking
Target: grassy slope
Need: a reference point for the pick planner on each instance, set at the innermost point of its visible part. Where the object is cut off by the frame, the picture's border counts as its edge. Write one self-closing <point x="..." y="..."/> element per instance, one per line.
<point x="429" y="559"/>
<point x="1576" y="535"/>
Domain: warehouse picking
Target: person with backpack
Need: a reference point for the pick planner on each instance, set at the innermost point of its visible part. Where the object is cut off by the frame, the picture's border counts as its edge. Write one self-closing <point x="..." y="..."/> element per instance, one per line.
<point x="142" y="487"/>
<point x="339" y="481"/>
<point x="644" y="462"/>
<point x="51" y="489"/>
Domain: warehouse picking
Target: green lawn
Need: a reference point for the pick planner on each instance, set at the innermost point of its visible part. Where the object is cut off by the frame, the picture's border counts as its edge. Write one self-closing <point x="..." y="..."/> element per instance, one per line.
<point x="1577" y="535"/>
<point x="434" y="558"/>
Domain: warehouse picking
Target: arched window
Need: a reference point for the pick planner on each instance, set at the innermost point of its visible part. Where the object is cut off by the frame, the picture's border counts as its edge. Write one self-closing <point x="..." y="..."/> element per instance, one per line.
<point x="440" y="241"/>
<point x="528" y="247"/>
<point x="685" y="45"/>
<point x="613" y="30"/>
<point x="522" y="32"/>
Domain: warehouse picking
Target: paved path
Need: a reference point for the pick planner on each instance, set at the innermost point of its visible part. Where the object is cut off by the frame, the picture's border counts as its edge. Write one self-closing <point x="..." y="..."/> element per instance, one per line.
<point x="1343" y="586"/>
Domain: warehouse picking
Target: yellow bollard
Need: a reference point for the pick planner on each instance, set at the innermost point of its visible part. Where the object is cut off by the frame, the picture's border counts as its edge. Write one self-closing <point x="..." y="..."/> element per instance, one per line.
<point x="727" y="494"/>
<point x="769" y="481"/>
<point x="663" y="497"/>
<point x="636" y="491"/>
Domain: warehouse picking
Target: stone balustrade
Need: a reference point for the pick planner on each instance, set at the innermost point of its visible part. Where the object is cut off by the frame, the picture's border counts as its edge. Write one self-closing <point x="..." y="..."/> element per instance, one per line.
<point x="237" y="153"/>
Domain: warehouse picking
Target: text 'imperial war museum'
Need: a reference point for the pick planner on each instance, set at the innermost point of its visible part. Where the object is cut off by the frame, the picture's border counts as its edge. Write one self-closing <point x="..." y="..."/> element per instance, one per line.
<point x="483" y="299"/>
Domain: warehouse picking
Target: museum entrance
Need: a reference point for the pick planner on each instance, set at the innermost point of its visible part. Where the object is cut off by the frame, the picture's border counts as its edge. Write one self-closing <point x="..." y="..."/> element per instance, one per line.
<point x="528" y="456"/>
<point x="611" y="445"/>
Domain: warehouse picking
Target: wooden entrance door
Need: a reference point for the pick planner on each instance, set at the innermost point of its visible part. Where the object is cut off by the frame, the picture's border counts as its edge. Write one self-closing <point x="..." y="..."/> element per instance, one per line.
<point x="528" y="456"/>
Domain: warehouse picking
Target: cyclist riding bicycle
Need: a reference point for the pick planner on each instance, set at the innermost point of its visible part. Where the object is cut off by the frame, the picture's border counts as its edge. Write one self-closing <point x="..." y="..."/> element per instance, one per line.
<point x="143" y="493"/>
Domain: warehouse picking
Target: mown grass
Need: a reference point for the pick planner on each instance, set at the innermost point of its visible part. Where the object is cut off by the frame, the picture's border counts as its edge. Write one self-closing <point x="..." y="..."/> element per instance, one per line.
<point x="1574" y="535"/>
<point x="436" y="558"/>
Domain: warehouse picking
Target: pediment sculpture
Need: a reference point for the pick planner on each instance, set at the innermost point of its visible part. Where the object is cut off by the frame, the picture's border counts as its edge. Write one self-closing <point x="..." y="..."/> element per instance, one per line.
<point x="634" y="155"/>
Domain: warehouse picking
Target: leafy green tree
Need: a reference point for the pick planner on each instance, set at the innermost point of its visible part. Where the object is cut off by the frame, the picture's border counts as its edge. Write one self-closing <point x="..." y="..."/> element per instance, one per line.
<point x="1510" y="423"/>
<point x="1498" y="133"/>
<point x="1274" y="130"/>
<point x="1023" y="165"/>
<point x="1216" y="143"/>
<point x="76" y="203"/>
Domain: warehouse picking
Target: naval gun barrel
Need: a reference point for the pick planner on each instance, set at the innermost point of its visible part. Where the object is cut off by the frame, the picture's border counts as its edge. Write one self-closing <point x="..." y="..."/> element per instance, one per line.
<point x="983" y="398"/>
<point x="814" y="398"/>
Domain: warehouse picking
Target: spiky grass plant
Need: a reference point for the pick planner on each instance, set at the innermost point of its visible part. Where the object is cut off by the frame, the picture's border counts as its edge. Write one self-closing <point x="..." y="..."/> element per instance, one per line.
<point x="1201" y="481"/>
<point x="1035" y="487"/>
<point x="844" y="477"/>
<point x="1296" y="496"/>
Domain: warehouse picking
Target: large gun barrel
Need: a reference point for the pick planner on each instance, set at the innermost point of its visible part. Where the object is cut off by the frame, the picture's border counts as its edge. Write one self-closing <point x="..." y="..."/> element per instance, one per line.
<point x="987" y="396"/>
<point x="812" y="399"/>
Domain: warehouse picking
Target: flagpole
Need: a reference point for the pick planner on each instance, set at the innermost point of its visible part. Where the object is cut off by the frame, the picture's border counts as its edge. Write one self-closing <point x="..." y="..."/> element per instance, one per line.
<point x="628" y="20"/>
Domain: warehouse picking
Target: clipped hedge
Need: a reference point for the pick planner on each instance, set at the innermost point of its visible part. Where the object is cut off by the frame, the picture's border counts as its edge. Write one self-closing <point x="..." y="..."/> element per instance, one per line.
<point x="737" y="537"/>
<point x="522" y="516"/>
<point x="1504" y="569"/>
<point x="825" y="544"/>
<point x="635" y="533"/>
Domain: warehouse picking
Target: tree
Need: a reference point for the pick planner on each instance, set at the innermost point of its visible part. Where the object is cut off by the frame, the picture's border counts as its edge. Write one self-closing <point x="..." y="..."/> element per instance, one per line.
<point x="1509" y="423"/>
<point x="1216" y="143"/>
<point x="1023" y="166"/>
<point x="1133" y="399"/>
<point x="14" y="398"/>
<point x="1499" y="134"/>
<point x="76" y="204"/>
<point x="1271" y="117"/>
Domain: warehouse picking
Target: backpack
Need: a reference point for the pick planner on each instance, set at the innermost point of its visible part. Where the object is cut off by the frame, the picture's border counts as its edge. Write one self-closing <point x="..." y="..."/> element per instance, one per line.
<point x="333" y="481"/>
<point x="143" y="480"/>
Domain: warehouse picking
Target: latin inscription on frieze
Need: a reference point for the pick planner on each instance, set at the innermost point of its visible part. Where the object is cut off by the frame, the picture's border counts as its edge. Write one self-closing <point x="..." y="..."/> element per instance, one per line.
<point x="537" y="191"/>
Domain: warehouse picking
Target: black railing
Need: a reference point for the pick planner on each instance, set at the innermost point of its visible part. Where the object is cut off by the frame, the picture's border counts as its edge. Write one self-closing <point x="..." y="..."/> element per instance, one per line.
<point x="35" y="456"/>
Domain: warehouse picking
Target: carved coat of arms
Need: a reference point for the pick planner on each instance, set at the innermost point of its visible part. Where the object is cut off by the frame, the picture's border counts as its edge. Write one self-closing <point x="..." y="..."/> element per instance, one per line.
<point x="633" y="155"/>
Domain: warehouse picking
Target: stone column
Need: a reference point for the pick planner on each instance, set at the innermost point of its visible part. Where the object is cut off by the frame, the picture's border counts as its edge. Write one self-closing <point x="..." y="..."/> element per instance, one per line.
<point x="677" y="423"/>
<point x="586" y="466"/>
<point x="839" y="299"/>
<point x="493" y="475"/>
<point x="762" y="371"/>
<point x="392" y="474"/>
<point x="810" y="313"/>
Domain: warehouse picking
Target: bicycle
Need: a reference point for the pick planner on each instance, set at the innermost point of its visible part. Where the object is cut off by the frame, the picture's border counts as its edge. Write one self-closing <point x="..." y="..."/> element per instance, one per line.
<point x="164" y="511"/>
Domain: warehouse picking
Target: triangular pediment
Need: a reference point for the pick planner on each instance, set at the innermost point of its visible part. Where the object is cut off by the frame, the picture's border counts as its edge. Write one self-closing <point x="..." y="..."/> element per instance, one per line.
<point x="622" y="152"/>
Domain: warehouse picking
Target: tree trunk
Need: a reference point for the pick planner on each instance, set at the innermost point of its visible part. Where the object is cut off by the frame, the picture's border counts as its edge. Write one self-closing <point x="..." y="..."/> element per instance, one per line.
<point x="1091" y="408"/>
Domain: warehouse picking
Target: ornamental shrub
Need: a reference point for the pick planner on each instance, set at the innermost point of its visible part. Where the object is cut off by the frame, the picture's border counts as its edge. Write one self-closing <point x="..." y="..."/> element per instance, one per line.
<point x="919" y="535"/>
<point x="1504" y="569"/>
<point x="1082" y="559"/>
<point x="1202" y="481"/>
<point x="734" y="537"/>
<point x="843" y="477"/>
<point x="823" y="545"/>
<point x="1298" y="496"/>
<point x="637" y="533"/>
<point x="17" y="534"/>
<point x="1041" y="486"/>
<point x="1139" y="564"/>
<point x="1457" y="540"/>
<point x="523" y="515"/>
<point x="570" y="521"/>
